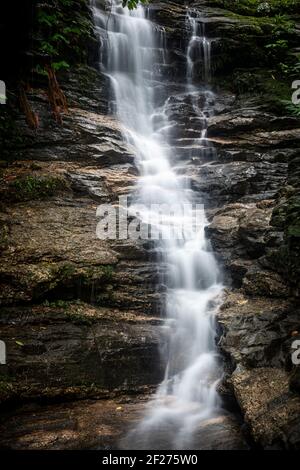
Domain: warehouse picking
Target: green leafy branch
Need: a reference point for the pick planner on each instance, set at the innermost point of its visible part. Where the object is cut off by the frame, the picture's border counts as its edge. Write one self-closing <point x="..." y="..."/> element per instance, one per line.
<point x="60" y="35"/>
<point x="131" y="4"/>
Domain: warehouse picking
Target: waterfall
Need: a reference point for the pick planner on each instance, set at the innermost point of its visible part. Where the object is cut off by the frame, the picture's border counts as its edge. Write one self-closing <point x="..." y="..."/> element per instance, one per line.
<point x="199" y="48"/>
<point x="134" y="56"/>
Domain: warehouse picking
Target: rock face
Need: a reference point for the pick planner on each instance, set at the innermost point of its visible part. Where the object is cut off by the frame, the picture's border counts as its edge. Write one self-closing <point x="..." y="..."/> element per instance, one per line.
<point x="81" y="316"/>
<point x="250" y="186"/>
<point x="52" y="257"/>
<point x="86" y="424"/>
<point x="79" y="351"/>
<point x="269" y="407"/>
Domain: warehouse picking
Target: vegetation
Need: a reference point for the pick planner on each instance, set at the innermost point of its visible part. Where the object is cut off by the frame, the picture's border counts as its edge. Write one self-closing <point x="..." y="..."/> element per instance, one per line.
<point x="131" y="4"/>
<point x="291" y="108"/>
<point x="63" y="28"/>
<point x="34" y="187"/>
<point x="269" y="62"/>
<point x="259" y="7"/>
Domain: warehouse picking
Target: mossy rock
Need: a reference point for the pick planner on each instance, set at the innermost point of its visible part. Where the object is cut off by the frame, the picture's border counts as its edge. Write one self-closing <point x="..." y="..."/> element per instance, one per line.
<point x="36" y="187"/>
<point x="258" y="7"/>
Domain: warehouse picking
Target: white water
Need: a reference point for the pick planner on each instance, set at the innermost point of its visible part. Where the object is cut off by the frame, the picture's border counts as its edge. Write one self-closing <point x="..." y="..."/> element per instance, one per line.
<point x="187" y="397"/>
<point x="199" y="48"/>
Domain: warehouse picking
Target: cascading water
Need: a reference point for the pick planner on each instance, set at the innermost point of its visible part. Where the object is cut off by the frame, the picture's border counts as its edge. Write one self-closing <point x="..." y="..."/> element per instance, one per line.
<point x="199" y="54"/>
<point x="199" y="48"/>
<point x="187" y="398"/>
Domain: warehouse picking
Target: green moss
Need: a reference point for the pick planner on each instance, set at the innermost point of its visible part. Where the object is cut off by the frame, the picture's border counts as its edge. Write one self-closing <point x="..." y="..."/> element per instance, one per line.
<point x="79" y="318"/>
<point x="294" y="230"/>
<point x="266" y="84"/>
<point x="293" y="217"/>
<point x="36" y="187"/>
<point x="259" y="7"/>
<point x="279" y="216"/>
<point x="20" y="391"/>
<point x="7" y="387"/>
<point x="263" y="39"/>
<point x="286" y="216"/>
<point x="61" y="304"/>
<point x="67" y="271"/>
<point x="68" y="281"/>
<point x="103" y="273"/>
<point x="108" y="272"/>
<point x="276" y="91"/>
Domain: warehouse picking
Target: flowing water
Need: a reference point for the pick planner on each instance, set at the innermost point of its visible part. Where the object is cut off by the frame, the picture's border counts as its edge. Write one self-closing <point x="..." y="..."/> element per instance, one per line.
<point x="199" y="48"/>
<point x="134" y="50"/>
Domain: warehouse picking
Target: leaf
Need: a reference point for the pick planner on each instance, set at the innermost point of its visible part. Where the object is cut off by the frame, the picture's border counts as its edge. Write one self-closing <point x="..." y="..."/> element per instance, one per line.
<point x="19" y="343"/>
<point x="60" y="38"/>
<point x="62" y="65"/>
<point x="131" y="4"/>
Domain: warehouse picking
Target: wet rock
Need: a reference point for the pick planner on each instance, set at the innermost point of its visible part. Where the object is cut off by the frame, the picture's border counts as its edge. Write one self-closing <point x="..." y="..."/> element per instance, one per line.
<point x="271" y="411"/>
<point x="241" y="233"/>
<point x="77" y="311"/>
<point x="222" y="433"/>
<point x="250" y="119"/>
<point x="85" y="424"/>
<point x="238" y="181"/>
<point x="268" y="283"/>
<point x="109" y="343"/>
<point x="69" y="349"/>
<point x="257" y="330"/>
<point x="295" y="381"/>
<point x="88" y="133"/>
<point x="219" y="433"/>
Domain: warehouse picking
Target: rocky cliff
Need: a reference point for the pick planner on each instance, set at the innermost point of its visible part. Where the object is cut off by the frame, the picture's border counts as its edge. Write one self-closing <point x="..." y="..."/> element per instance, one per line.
<point x="81" y="317"/>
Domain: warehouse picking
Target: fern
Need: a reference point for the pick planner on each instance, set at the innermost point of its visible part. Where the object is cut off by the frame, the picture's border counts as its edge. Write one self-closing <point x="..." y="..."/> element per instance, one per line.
<point x="291" y="108"/>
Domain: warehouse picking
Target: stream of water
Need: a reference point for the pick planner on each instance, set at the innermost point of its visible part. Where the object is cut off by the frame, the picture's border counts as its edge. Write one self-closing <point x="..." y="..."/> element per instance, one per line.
<point x="187" y="398"/>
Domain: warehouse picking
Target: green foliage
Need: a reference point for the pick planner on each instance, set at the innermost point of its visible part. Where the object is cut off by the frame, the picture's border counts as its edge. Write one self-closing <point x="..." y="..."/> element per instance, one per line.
<point x="108" y="272"/>
<point x="279" y="45"/>
<point x="246" y="82"/>
<point x="291" y="70"/>
<point x="105" y="273"/>
<point x="64" y="28"/>
<point x="260" y="7"/>
<point x="131" y="4"/>
<point x="63" y="304"/>
<point x="277" y="50"/>
<point x="282" y="23"/>
<point x="32" y="187"/>
<point x="269" y="84"/>
<point x="67" y="271"/>
<point x="61" y="65"/>
<point x="291" y="108"/>
<point x="6" y="387"/>
<point x="269" y="35"/>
